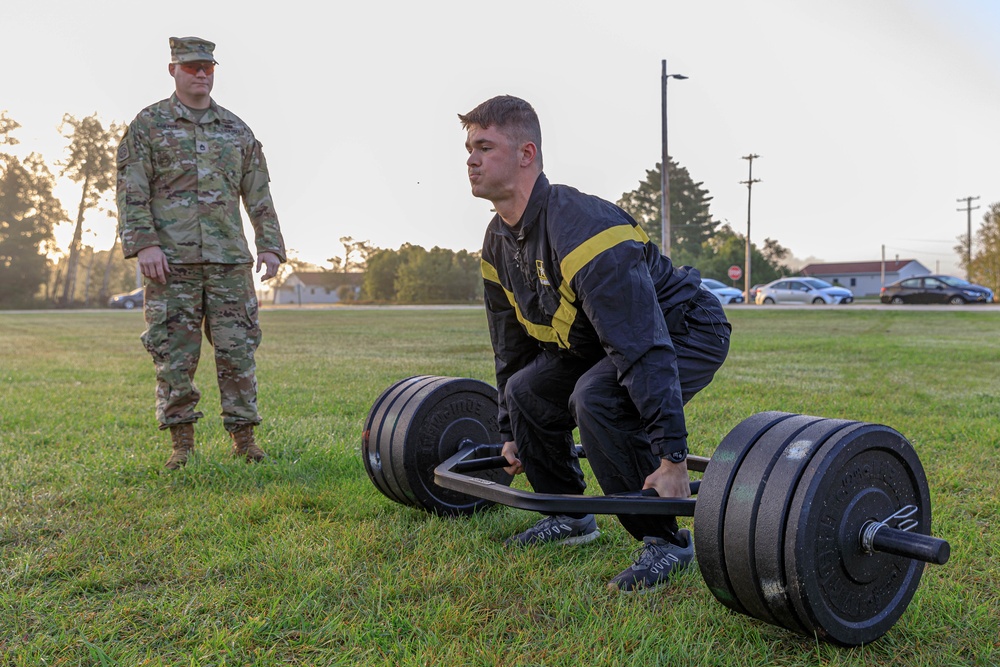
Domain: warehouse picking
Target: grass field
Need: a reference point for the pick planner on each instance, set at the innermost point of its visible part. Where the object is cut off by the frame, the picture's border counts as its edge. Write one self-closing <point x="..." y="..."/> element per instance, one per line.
<point x="108" y="560"/>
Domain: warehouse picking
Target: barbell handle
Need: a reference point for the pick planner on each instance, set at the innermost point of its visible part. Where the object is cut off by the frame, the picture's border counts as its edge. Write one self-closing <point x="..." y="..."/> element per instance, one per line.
<point x="477" y="465"/>
<point x="651" y="493"/>
<point x="912" y="545"/>
<point x="493" y="462"/>
<point x="695" y="463"/>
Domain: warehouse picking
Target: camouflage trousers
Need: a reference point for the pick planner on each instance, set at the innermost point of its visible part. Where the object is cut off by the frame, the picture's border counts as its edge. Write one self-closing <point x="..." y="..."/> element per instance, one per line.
<point x="219" y="298"/>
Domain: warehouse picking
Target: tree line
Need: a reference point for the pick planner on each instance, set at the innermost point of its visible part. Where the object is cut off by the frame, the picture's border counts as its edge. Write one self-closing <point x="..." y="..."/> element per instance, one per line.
<point x="409" y="275"/>
<point x="35" y="273"/>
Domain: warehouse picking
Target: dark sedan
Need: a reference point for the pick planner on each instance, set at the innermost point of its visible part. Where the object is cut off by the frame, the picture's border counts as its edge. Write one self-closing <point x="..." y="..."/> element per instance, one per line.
<point x="127" y="301"/>
<point x="935" y="289"/>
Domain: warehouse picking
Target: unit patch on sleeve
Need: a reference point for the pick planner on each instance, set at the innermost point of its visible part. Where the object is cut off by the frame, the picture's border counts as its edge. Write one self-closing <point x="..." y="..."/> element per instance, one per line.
<point x="123" y="149"/>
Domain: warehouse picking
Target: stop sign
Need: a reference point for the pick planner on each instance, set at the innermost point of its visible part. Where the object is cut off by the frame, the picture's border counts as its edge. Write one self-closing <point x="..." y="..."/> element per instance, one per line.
<point x="735" y="272"/>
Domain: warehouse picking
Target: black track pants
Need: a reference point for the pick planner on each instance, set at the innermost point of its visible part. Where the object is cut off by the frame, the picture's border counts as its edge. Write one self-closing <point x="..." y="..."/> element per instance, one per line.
<point x="554" y="393"/>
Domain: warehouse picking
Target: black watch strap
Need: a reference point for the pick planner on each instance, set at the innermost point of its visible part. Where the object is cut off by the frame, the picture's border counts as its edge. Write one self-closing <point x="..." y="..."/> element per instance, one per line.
<point x="676" y="457"/>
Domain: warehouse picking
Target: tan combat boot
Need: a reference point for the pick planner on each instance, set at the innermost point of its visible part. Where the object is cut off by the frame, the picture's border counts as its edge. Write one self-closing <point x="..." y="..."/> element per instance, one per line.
<point x="182" y="436"/>
<point x="245" y="447"/>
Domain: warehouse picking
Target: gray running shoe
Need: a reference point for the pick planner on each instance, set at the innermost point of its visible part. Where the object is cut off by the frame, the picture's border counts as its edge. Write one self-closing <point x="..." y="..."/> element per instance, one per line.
<point x="657" y="561"/>
<point x="561" y="529"/>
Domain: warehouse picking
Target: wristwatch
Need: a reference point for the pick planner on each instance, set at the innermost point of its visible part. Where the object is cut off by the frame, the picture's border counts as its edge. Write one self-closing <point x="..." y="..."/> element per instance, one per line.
<point x="676" y="457"/>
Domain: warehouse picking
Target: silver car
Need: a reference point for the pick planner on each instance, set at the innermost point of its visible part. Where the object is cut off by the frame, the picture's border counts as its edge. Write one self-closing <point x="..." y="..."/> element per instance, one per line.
<point x="802" y="290"/>
<point x="722" y="291"/>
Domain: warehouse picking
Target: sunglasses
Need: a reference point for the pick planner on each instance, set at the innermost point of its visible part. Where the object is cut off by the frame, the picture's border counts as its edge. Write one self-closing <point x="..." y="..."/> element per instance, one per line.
<point x="193" y="68"/>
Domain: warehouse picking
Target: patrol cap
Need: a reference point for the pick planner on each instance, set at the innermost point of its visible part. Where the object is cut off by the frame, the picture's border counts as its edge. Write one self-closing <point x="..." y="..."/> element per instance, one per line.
<point x="190" y="49"/>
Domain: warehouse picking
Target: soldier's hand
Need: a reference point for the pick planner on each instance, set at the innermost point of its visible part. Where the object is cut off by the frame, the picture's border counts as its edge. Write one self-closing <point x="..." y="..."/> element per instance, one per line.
<point x="670" y="480"/>
<point x="153" y="264"/>
<point x="271" y="262"/>
<point x="509" y="452"/>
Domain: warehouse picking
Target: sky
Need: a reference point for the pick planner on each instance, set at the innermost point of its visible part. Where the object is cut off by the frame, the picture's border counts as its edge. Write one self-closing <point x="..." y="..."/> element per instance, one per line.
<point x="871" y="119"/>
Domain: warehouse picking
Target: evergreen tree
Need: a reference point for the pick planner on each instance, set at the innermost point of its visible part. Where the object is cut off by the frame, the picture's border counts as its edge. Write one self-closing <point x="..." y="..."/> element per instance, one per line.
<point x="691" y="223"/>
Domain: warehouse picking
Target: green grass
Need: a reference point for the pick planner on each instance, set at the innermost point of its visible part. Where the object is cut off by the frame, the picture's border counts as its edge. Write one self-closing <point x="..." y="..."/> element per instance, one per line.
<point x="106" y="559"/>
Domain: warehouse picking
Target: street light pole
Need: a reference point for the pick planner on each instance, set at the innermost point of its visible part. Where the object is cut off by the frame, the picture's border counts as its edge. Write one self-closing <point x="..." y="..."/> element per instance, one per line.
<point x="665" y="165"/>
<point x="746" y="262"/>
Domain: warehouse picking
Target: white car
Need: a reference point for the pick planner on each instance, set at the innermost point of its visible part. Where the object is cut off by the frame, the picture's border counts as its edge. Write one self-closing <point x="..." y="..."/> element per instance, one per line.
<point x="802" y="290"/>
<point x="723" y="292"/>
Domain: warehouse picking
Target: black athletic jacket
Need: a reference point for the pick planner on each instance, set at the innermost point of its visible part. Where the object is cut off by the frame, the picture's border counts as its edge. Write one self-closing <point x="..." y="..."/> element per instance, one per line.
<point x="580" y="277"/>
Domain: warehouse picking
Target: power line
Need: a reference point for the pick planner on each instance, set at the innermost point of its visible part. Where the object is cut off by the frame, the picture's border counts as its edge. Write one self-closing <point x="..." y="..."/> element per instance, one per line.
<point x="920" y="252"/>
<point x="930" y="240"/>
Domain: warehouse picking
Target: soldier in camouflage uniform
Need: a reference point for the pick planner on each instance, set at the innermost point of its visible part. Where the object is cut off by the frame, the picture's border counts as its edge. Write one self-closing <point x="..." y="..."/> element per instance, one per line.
<point x="184" y="165"/>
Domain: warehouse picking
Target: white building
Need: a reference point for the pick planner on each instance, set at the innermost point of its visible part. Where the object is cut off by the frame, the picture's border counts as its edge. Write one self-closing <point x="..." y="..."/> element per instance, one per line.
<point x="866" y="278"/>
<point x="306" y="287"/>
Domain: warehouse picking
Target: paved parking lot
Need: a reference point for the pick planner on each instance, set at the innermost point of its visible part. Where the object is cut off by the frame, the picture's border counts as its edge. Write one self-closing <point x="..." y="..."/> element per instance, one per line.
<point x="870" y="305"/>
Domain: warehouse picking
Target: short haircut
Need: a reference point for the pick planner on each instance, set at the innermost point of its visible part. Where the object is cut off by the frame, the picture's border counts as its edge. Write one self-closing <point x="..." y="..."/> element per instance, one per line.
<point x="512" y="115"/>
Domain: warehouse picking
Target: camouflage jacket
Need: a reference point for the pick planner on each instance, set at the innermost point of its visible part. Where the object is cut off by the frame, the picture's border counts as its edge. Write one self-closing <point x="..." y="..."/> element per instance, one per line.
<point x="180" y="182"/>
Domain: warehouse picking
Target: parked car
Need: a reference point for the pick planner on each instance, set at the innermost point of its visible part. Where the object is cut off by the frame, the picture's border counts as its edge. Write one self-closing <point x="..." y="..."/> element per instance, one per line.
<point x="127" y="301"/>
<point x="935" y="289"/>
<point x="803" y="290"/>
<point x="725" y="293"/>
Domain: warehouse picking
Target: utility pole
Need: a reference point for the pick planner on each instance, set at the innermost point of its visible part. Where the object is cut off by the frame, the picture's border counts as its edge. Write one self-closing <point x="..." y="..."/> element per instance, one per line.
<point x="882" y="277"/>
<point x="746" y="263"/>
<point x="665" y="165"/>
<point x="969" y="208"/>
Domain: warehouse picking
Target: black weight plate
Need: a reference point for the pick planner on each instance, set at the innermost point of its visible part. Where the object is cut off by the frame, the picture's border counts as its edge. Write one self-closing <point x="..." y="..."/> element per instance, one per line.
<point x="394" y="441"/>
<point x="709" y="510"/>
<point x="397" y="423"/>
<point x="840" y="593"/>
<point x="772" y="515"/>
<point x="393" y="423"/>
<point x="439" y="415"/>
<point x="376" y="440"/>
<point x="740" y="520"/>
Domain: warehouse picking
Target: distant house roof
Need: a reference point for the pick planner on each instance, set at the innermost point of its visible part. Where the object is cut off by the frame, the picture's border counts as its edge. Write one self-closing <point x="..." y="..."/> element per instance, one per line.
<point x="843" y="268"/>
<point x="325" y="279"/>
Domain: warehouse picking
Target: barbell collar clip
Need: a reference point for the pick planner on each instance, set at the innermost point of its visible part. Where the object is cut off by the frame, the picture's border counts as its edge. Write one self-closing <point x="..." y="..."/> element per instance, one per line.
<point x="879" y="536"/>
